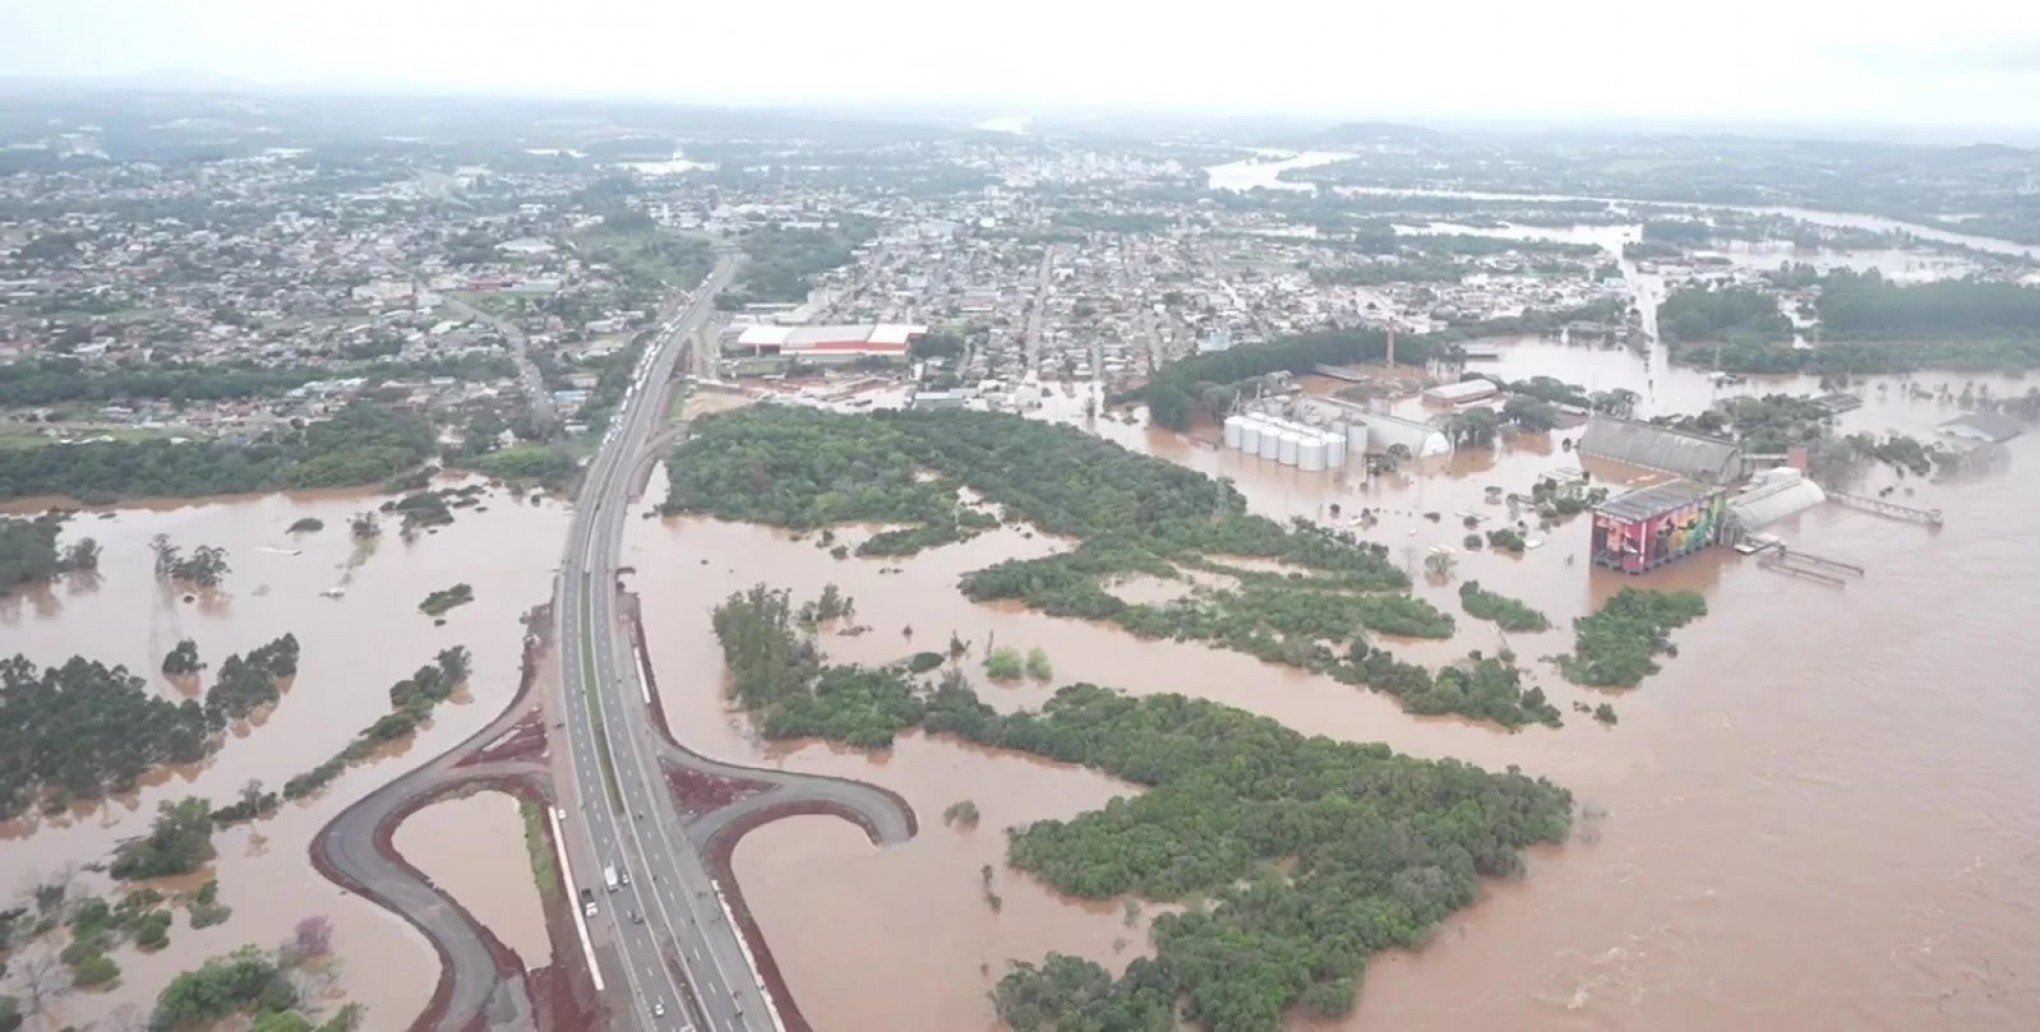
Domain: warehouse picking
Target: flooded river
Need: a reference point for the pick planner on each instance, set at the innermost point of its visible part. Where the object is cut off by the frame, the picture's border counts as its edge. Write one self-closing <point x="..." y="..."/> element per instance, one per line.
<point x="354" y="648"/>
<point x="1820" y="814"/>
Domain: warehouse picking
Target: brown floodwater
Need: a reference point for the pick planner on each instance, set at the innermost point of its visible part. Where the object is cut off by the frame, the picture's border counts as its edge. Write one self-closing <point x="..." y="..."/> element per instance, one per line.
<point x="353" y="648"/>
<point x="1821" y="813"/>
<point x="444" y="841"/>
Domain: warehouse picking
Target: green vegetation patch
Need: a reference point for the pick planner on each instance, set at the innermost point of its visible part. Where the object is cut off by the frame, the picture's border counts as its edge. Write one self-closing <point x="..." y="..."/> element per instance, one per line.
<point x="249" y="981"/>
<point x="803" y="469"/>
<point x="1617" y="646"/>
<point x="1131" y="514"/>
<point x="178" y="841"/>
<point x="411" y="701"/>
<point x="1508" y="613"/>
<point x="1309" y="854"/>
<point x="537" y="849"/>
<point x="778" y="675"/>
<point x="363" y="444"/>
<point x="548" y="465"/>
<point x="84" y="730"/>
<point x="445" y="599"/>
<point x="29" y="552"/>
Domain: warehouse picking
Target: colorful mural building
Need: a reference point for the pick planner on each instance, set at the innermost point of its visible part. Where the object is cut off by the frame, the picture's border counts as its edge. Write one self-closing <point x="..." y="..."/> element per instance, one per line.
<point x="1648" y="528"/>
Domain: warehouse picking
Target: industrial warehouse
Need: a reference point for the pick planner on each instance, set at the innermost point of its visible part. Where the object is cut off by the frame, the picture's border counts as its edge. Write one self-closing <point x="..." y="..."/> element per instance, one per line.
<point x="826" y="343"/>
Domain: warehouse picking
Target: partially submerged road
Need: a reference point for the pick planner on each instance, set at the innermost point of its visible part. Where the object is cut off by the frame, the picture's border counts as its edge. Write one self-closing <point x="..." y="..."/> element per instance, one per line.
<point x="667" y="951"/>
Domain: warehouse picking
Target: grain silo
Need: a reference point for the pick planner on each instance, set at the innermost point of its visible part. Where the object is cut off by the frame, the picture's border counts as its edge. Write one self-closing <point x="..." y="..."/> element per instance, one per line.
<point x="1310" y="452"/>
<point x="1286" y="450"/>
<point x="1271" y="442"/>
<point x="1251" y="429"/>
<point x="1335" y="447"/>
<point x="1233" y="425"/>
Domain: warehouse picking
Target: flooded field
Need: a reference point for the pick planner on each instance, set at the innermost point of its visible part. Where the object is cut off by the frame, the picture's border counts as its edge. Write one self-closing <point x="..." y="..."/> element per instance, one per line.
<point x="354" y="647"/>
<point x="1819" y="814"/>
<point x="468" y="846"/>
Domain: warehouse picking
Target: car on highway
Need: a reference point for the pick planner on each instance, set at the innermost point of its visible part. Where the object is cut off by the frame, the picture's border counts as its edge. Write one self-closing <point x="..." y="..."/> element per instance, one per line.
<point x="658" y="1009"/>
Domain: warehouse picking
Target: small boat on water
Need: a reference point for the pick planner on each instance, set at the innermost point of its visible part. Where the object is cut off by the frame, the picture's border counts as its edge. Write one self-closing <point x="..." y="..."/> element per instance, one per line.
<point x="281" y="551"/>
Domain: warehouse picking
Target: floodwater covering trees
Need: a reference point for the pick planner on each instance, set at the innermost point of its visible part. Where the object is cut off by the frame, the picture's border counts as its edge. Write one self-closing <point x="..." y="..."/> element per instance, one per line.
<point x="29" y="552"/>
<point x="83" y="730"/>
<point x="1506" y="612"/>
<point x="361" y="445"/>
<point x="1129" y="513"/>
<point x="1617" y="646"/>
<point x="1310" y="853"/>
<point x="411" y="701"/>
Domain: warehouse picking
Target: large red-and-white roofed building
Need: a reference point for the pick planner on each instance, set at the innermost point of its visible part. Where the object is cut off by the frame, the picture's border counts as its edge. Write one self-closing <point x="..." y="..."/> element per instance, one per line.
<point x="864" y="340"/>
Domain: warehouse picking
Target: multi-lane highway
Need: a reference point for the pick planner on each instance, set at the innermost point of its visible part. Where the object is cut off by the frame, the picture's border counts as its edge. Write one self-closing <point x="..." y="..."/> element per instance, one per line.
<point x="664" y="952"/>
<point x="662" y="937"/>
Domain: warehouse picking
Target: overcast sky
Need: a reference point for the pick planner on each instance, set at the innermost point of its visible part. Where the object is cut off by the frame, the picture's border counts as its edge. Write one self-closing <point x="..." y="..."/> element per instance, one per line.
<point x="1966" y="62"/>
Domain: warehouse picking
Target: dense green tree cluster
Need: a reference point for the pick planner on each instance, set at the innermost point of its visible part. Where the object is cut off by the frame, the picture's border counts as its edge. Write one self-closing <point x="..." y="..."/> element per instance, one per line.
<point x="549" y="466"/>
<point x="254" y="803"/>
<point x="205" y="567"/>
<point x="50" y="381"/>
<point x="1171" y="394"/>
<point x="249" y="981"/>
<point x="438" y="602"/>
<point x="178" y="841"/>
<point x="83" y="730"/>
<point x="1770" y="424"/>
<point x="1725" y="313"/>
<point x="245" y="683"/>
<point x="1864" y="357"/>
<point x="1379" y="847"/>
<point x="1864" y="305"/>
<point x="97" y="928"/>
<point x="784" y="261"/>
<point x="777" y="673"/>
<point x="1131" y="514"/>
<point x="1544" y="388"/>
<point x="1618" y="644"/>
<point x="1484" y="688"/>
<point x="411" y="701"/>
<point x="206" y="910"/>
<point x="1313" y="852"/>
<point x="361" y="445"/>
<point x="799" y="468"/>
<point x="422" y="509"/>
<point x="1508" y="613"/>
<point x="1683" y="232"/>
<point x="29" y="552"/>
<point x="61" y="379"/>
<point x="1005" y="665"/>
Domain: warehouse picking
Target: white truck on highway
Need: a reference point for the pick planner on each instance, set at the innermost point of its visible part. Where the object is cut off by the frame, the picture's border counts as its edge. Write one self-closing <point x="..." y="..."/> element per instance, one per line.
<point x="609" y="877"/>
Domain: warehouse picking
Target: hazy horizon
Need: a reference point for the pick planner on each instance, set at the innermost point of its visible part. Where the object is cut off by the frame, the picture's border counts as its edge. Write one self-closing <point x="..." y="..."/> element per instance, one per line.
<point x="1739" y="64"/>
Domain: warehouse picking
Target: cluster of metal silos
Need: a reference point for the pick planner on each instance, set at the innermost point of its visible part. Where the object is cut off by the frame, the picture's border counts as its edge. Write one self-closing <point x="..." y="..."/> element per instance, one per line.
<point x="1291" y="443"/>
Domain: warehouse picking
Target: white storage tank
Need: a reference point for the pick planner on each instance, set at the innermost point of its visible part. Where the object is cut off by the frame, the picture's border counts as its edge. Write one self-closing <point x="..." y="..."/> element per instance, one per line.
<point x="1310" y="453"/>
<point x="1271" y="443"/>
<point x="1335" y="449"/>
<point x="1233" y="425"/>
<point x="1287" y="448"/>
<point x="1250" y="435"/>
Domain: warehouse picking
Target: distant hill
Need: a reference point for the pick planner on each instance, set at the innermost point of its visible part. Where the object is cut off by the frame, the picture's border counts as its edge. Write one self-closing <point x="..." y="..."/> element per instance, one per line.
<point x="1372" y="134"/>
